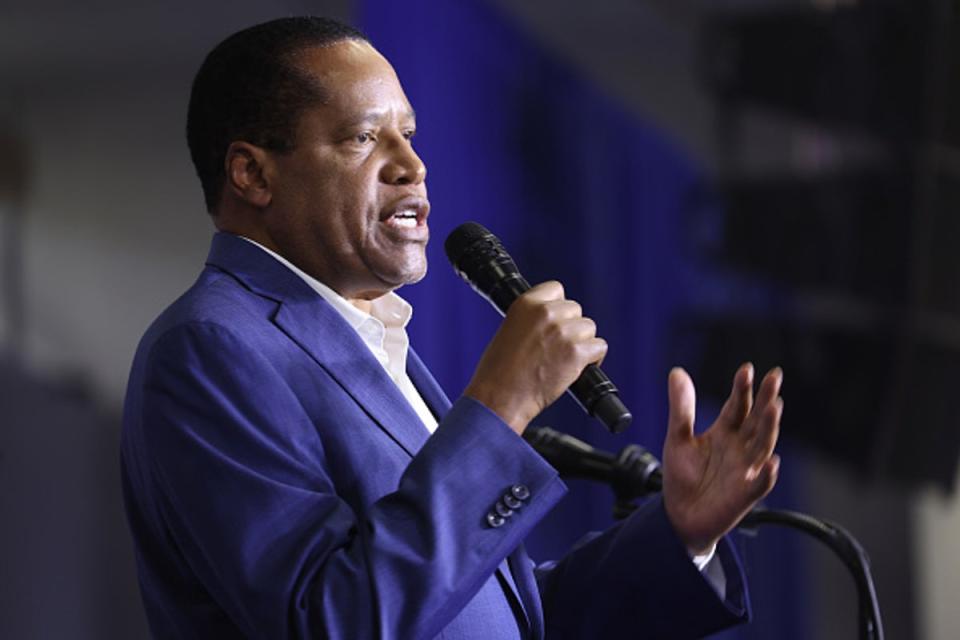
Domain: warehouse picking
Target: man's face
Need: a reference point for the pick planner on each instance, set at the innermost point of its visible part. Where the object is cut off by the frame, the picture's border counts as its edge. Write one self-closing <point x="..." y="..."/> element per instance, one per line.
<point x="349" y="203"/>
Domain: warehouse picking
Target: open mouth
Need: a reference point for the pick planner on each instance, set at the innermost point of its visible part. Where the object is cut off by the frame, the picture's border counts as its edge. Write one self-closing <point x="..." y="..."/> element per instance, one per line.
<point x="405" y="218"/>
<point x="407" y="213"/>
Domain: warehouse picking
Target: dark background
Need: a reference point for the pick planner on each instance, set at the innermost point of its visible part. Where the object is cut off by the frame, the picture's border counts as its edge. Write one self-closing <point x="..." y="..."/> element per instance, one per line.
<point x="714" y="181"/>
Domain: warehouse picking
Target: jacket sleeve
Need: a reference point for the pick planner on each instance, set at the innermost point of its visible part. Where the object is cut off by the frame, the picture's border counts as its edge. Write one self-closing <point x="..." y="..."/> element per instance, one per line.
<point x="637" y="580"/>
<point x="237" y="477"/>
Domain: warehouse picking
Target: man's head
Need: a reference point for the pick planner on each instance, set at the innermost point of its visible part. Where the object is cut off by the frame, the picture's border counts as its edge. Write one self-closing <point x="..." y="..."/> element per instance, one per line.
<point x="300" y="133"/>
<point x="250" y="88"/>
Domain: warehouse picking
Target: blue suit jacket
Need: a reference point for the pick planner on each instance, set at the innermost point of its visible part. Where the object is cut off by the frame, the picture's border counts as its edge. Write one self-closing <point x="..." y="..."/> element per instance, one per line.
<point x="278" y="485"/>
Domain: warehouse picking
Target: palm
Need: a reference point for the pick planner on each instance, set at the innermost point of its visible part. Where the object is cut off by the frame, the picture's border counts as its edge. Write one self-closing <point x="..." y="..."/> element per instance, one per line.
<point x="712" y="480"/>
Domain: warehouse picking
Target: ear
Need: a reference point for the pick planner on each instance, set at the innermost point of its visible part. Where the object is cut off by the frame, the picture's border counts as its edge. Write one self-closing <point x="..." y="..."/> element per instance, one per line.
<point x="247" y="175"/>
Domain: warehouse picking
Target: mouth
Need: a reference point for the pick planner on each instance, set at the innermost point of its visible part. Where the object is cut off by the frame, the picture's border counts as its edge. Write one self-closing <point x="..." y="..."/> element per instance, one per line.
<point x="407" y="213"/>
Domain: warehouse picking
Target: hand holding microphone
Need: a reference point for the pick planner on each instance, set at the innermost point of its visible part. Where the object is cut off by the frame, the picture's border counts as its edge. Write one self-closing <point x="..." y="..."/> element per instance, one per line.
<point x="540" y="349"/>
<point x="544" y="345"/>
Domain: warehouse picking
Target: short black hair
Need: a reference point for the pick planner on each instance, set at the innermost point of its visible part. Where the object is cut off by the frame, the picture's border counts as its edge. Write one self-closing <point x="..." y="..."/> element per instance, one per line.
<point x="249" y="88"/>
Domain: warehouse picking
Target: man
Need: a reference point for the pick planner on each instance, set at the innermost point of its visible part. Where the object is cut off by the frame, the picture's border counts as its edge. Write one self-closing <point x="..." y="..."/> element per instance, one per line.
<point x="280" y="472"/>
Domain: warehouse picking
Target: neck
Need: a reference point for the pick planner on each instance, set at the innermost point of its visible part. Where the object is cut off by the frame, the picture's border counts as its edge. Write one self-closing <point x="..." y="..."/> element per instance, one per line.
<point x="364" y="305"/>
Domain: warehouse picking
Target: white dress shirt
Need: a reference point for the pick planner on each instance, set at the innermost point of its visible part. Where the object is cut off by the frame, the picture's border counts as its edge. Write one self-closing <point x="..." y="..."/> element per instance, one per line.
<point x="383" y="330"/>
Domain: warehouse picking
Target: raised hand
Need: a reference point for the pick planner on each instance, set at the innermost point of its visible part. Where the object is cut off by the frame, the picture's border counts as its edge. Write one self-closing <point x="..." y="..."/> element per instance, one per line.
<point x="540" y="349"/>
<point x="712" y="480"/>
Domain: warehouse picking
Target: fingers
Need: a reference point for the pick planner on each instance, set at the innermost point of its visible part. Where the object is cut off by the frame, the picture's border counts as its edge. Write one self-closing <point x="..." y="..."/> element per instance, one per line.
<point x="770" y="386"/>
<point x="579" y="328"/>
<point x="545" y="292"/>
<point x="581" y="335"/>
<point x="766" y="431"/>
<point x="548" y="299"/>
<point x="593" y="351"/>
<point x="576" y="335"/>
<point x="762" y="427"/>
<point x="541" y="348"/>
<point x="560" y="310"/>
<point x="683" y="402"/>
<point x="763" y="478"/>
<point x="740" y="401"/>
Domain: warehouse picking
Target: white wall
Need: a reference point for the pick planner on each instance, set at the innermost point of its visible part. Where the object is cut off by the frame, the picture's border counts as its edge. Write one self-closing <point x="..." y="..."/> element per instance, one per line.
<point x="937" y="553"/>
<point x="115" y="228"/>
<point x="115" y="225"/>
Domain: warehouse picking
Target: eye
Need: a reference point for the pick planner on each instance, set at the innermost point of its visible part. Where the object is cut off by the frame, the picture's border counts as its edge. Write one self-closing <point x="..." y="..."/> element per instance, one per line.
<point x="364" y="137"/>
<point x="409" y="133"/>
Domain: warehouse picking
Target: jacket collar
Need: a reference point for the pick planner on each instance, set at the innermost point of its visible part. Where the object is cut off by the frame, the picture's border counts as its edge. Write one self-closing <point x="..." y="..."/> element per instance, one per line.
<point x="307" y="319"/>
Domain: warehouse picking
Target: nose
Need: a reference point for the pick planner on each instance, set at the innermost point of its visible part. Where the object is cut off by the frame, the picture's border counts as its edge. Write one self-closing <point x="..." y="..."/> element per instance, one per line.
<point x="404" y="165"/>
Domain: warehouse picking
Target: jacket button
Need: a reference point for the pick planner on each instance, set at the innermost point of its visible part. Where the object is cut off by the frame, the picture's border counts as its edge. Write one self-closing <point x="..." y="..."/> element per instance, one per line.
<point x="511" y="502"/>
<point x="503" y="510"/>
<point x="520" y="491"/>
<point x="495" y="520"/>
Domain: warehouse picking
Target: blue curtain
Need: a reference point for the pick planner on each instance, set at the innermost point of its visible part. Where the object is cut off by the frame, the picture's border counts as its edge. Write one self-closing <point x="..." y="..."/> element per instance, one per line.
<point x="578" y="191"/>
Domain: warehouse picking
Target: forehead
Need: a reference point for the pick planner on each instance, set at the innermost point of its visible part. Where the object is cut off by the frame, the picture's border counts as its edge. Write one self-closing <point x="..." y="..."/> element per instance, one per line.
<point x="352" y="74"/>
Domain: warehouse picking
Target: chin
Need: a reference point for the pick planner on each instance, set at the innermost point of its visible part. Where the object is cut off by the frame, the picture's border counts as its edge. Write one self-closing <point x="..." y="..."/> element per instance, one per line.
<point x="402" y="272"/>
<point x="396" y="280"/>
<point x="417" y="278"/>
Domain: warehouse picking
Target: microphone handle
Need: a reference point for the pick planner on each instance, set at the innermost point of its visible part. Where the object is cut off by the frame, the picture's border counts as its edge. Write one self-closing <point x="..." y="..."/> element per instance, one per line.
<point x="571" y="457"/>
<point x="633" y="473"/>
<point x="593" y="390"/>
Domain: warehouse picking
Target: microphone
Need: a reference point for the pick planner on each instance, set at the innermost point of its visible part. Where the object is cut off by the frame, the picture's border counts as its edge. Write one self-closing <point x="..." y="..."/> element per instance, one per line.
<point x="480" y="259"/>
<point x="632" y="473"/>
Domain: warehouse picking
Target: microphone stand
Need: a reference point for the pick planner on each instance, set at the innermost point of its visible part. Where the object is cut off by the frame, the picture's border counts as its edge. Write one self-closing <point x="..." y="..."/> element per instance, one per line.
<point x="635" y="472"/>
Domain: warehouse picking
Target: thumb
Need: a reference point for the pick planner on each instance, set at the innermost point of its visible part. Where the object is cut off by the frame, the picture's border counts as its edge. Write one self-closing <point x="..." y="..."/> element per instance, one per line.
<point x="683" y="401"/>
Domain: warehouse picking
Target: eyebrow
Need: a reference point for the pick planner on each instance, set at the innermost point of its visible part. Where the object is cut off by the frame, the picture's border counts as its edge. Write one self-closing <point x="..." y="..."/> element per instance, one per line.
<point x="375" y="117"/>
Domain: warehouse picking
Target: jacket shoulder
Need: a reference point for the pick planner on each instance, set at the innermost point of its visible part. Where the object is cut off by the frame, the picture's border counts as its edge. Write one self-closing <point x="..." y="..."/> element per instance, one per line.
<point x="216" y="298"/>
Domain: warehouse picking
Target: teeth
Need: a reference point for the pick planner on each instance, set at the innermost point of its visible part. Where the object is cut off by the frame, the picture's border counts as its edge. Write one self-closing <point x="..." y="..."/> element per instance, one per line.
<point x="405" y="218"/>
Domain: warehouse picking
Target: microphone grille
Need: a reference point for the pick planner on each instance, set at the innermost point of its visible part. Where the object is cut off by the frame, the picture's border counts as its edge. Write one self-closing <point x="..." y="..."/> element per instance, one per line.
<point x="458" y="243"/>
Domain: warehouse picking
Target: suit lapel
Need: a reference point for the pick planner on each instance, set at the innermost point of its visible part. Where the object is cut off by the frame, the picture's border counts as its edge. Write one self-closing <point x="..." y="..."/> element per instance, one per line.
<point x="307" y="319"/>
<point x="431" y="392"/>
<point x="326" y="336"/>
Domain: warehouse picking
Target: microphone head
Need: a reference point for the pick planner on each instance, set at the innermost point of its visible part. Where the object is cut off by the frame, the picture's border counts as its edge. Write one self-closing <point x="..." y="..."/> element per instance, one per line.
<point x="461" y="240"/>
<point x="479" y="258"/>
